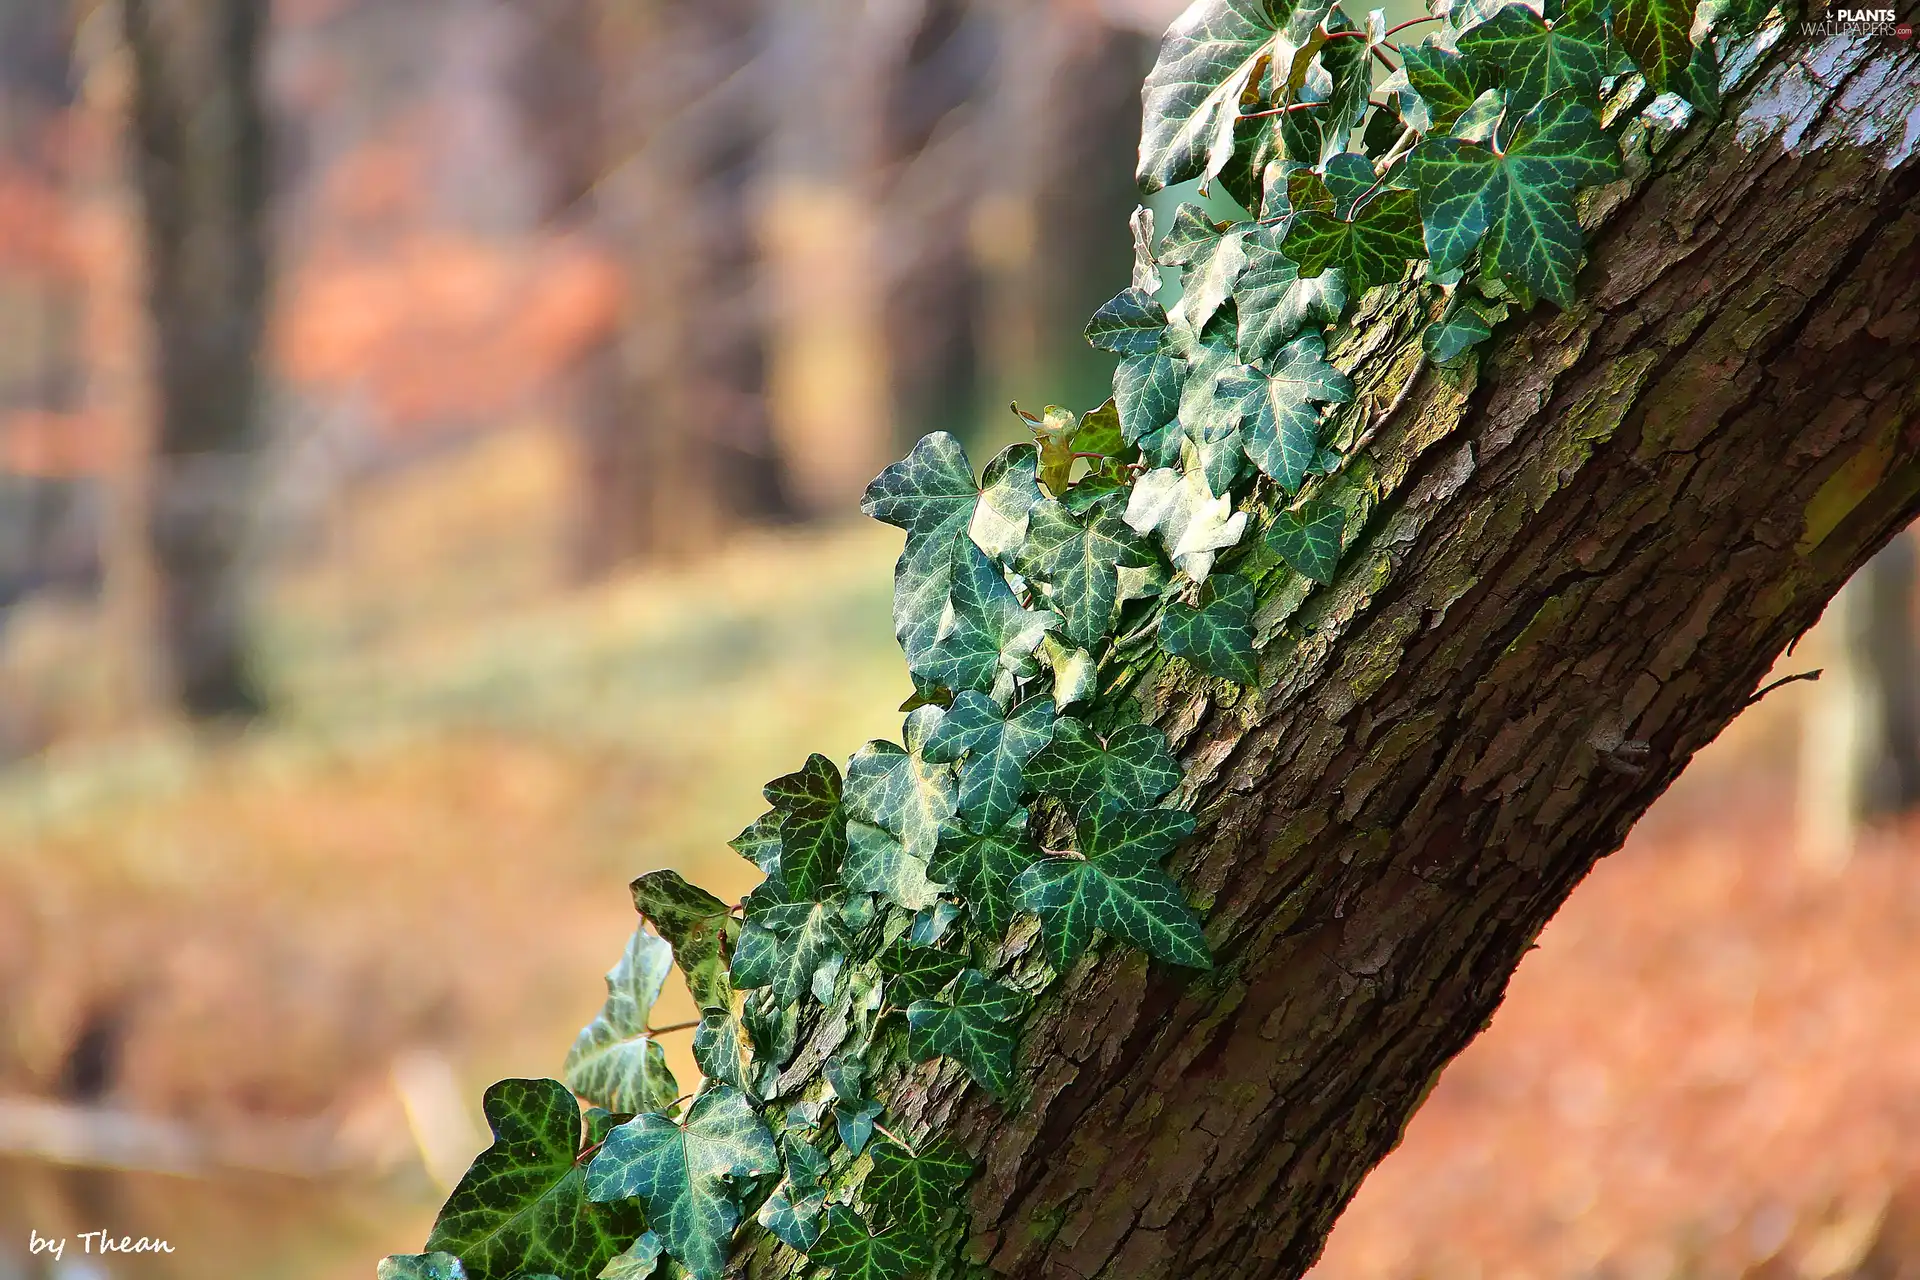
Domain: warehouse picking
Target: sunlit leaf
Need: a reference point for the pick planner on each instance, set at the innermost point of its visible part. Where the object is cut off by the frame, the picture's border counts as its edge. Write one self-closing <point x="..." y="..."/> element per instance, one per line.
<point x="1079" y="558"/>
<point x="700" y="928"/>
<point x="1281" y="428"/>
<point x="1129" y="325"/>
<point x="1190" y="521"/>
<point x="422" y="1266"/>
<point x="991" y="630"/>
<point x="993" y="746"/>
<point x="614" y="1063"/>
<point x="1275" y="303"/>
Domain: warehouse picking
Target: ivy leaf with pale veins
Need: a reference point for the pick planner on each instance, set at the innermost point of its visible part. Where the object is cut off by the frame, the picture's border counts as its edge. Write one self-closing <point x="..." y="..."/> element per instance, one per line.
<point x="1371" y="248"/>
<point x="903" y="791"/>
<point x="1146" y="391"/>
<point x="640" y="1261"/>
<point x="1659" y="36"/>
<point x="1117" y="885"/>
<point x="1275" y="302"/>
<point x="1516" y="206"/>
<point x="996" y="746"/>
<point x="684" y="1174"/>
<point x="759" y="843"/>
<point x="918" y="973"/>
<point x="787" y="960"/>
<point x="614" y="1063"/>
<point x="422" y="1266"/>
<point x="1537" y="60"/>
<point x="1282" y="425"/>
<point x="793" y="1211"/>
<point x="877" y="862"/>
<point x="1208" y="277"/>
<point x="983" y="866"/>
<point x="975" y="1027"/>
<point x="1446" y="82"/>
<point x="1467" y="323"/>
<point x="1309" y="539"/>
<point x="854" y="1120"/>
<point x="1079" y="560"/>
<point x="1133" y="768"/>
<point x="523" y="1205"/>
<point x="929" y="493"/>
<point x="1008" y="491"/>
<point x="813" y="826"/>
<point x="917" y="1190"/>
<point x="991" y="630"/>
<point x="720" y="1050"/>
<point x="1129" y="325"/>
<point x="1216" y="637"/>
<point x="854" y="1253"/>
<point x="700" y="928"/>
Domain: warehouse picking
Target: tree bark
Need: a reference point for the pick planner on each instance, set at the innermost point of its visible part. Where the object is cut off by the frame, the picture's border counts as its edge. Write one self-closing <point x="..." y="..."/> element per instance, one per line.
<point x="200" y="135"/>
<point x="1583" y="554"/>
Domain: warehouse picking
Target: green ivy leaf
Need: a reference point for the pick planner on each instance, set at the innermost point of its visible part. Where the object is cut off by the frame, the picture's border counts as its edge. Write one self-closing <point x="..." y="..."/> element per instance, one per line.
<point x="1467" y="323"/>
<point x="1133" y="768"/>
<point x="788" y="960"/>
<point x="640" y="1261"/>
<point x="523" y="1205"/>
<point x="932" y="495"/>
<point x="1700" y="85"/>
<point x="685" y="1174"/>
<point x="975" y="1027"/>
<point x="1118" y="886"/>
<point x="1128" y="325"/>
<point x="1518" y="202"/>
<point x="854" y="1253"/>
<point x="1536" y="60"/>
<point x="614" y="1063"/>
<point x="903" y="791"/>
<point x="1208" y="277"/>
<point x="996" y="746"/>
<point x="1079" y="560"/>
<point x="422" y="1266"/>
<point x="1192" y="523"/>
<point x="1146" y="390"/>
<point x="1309" y="539"/>
<point x="759" y="843"/>
<point x="1659" y="36"/>
<point x="813" y="826"/>
<point x="720" y="1050"/>
<point x="918" y="973"/>
<point x="1447" y="83"/>
<point x="700" y="928"/>
<point x="983" y="866"/>
<point x="1192" y="95"/>
<point x="1282" y="426"/>
<point x="793" y="1211"/>
<point x="1371" y="248"/>
<point x="1275" y="303"/>
<point x="855" y="1120"/>
<point x="877" y="862"/>
<point x="918" y="1190"/>
<point x="1216" y="637"/>
<point x="991" y="631"/>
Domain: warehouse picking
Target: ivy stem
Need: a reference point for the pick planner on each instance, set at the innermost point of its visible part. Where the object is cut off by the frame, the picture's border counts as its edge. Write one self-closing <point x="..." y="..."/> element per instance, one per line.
<point x="590" y="1152"/>
<point x="1384" y="60"/>
<point x="1279" y="111"/>
<point x="1410" y="22"/>
<point x="895" y="1138"/>
<point x="672" y="1027"/>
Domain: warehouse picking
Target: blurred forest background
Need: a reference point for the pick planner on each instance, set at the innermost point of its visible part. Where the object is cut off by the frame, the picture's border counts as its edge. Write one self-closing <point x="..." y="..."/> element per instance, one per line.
<point x="430" y="439"/>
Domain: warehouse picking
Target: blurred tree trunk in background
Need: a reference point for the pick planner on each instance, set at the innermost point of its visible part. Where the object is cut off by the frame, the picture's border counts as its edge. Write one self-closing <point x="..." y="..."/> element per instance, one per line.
<point x="936" y="61"/>
<point x="1860" y="747"/>
<point x="1072" y="106"/>
<point x="200" y="139"/>
<point x="683" y="445"/>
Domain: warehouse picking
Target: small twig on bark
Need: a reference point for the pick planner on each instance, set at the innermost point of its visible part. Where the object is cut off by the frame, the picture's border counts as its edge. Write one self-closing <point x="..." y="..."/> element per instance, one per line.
<point x="1764" y="690"/>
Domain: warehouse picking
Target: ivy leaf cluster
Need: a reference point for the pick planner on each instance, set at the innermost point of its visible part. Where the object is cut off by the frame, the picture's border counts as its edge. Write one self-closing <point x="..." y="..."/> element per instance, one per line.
<point x="1025" y="794"/>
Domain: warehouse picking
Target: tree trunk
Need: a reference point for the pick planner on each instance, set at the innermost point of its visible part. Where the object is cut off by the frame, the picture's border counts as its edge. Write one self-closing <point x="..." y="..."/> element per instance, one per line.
<point x="1584" y="553"/>
<point x="201" y="163"/>
<point x="687" y="449"/>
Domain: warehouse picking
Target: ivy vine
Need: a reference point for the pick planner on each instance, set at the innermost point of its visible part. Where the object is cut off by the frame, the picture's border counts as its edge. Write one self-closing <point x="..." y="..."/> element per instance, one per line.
<point x="1025" y="801"/>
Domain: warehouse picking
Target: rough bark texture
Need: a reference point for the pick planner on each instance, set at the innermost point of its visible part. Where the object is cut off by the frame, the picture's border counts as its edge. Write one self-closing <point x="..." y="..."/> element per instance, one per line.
<point x="201" y="160"/>
<point x="1583" y="554"/>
